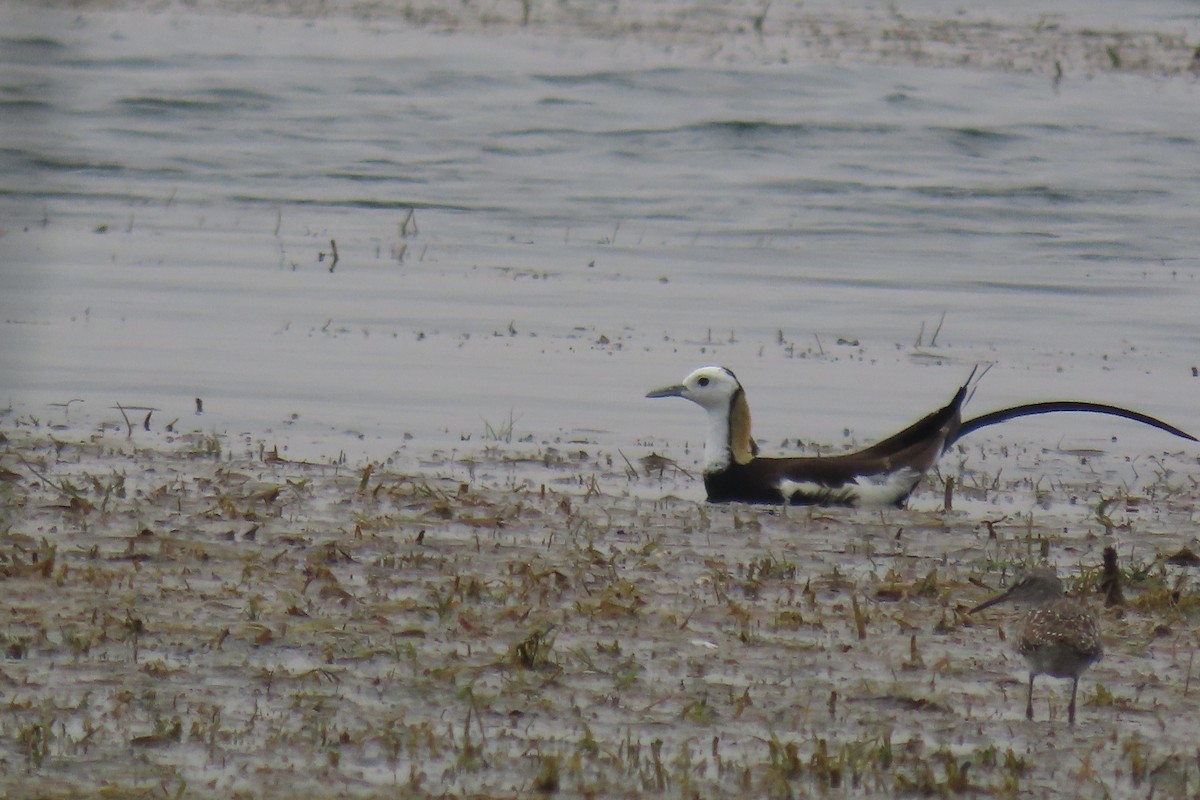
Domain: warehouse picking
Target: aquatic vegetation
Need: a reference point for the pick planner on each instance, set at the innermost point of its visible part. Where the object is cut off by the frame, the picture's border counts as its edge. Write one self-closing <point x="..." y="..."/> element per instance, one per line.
<point x="232" y="623"/>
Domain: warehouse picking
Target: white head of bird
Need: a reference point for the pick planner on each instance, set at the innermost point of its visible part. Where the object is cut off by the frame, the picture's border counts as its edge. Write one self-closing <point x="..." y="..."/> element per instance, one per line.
<point x="718" y="392"/>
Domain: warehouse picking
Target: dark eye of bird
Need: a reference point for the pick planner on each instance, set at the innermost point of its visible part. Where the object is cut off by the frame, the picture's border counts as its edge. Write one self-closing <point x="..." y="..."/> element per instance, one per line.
<point x="703" y="381"/>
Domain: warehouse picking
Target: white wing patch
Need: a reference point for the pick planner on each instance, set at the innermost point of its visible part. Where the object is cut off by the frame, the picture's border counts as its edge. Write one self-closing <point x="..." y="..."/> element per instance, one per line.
<point x="883" y="489"/>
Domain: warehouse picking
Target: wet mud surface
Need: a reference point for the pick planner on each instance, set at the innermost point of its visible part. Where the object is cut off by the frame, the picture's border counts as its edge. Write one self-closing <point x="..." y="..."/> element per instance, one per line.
<point x="1058" y="39"/>
<point x="195" y="616"/>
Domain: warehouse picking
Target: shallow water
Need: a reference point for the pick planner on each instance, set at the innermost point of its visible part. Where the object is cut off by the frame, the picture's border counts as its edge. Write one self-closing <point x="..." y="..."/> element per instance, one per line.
<point x="592" y="218"/>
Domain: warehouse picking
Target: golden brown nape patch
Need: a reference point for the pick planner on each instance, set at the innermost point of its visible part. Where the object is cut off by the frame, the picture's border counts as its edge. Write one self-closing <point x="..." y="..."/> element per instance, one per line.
<point x="741" y="442"/>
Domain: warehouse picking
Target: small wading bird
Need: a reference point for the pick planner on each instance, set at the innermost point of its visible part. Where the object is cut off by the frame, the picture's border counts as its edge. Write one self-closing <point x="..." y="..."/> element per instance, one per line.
<point x="880" y="475"/>
<point x="1059" y="637"/>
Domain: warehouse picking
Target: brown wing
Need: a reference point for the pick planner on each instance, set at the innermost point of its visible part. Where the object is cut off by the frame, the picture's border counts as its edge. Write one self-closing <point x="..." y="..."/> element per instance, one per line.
<point x="933" y="432"/>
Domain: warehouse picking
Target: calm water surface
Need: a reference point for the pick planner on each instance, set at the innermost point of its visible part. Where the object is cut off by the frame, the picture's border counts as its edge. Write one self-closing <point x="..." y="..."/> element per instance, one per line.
<point x="589" y="220"/>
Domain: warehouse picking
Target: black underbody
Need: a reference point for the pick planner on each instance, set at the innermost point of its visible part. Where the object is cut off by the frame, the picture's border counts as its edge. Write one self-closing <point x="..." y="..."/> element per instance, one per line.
<point x="917" y="446"/>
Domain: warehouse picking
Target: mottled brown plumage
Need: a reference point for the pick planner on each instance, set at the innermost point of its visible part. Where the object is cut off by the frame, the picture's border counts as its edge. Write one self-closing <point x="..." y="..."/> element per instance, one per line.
<point x="1059" y="637"/>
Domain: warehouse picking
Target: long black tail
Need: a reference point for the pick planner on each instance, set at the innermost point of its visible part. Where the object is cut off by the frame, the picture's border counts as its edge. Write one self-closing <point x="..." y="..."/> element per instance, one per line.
<point x="1050" y="407"/>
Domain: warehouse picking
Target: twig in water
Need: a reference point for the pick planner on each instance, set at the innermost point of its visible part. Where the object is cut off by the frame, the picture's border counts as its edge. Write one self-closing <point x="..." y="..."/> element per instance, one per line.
<point x="761" y="18"/>
<point x="66" y="407"/>
<point x="653" y="463"/>
<point x="860" y="622"/>
<point x="64" y="488"/>
<point x="128" y="426"/>
<point x="333" y="261"/>
<point x="408" y="225"/>
<point x="502" y="432"/>
<point x="1110" y="582"/>
<point x="630" y="473"/>
<point x="936" y="331"/>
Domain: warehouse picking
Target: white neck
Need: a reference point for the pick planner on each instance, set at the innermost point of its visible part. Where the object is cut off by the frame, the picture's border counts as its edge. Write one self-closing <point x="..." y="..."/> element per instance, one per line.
<point x="717" y="454"/>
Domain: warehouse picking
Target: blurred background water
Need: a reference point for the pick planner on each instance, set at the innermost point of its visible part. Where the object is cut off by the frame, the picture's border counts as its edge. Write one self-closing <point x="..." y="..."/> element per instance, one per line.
<point x="541" y="228"/>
